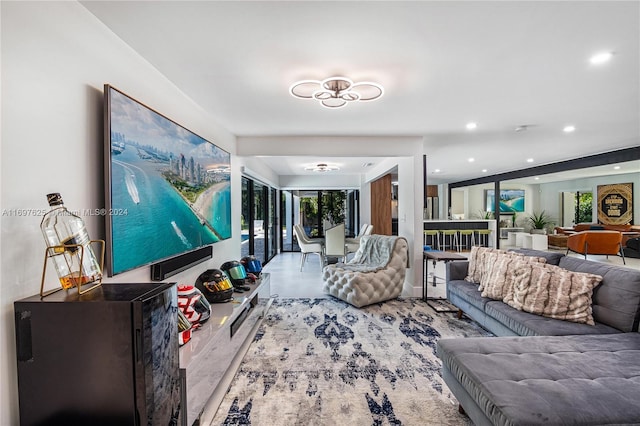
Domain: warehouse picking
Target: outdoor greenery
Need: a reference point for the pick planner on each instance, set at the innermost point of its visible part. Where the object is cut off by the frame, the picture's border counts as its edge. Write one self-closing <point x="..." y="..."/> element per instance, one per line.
<point x="333" y="209"/>
<point x="585" y="208"/>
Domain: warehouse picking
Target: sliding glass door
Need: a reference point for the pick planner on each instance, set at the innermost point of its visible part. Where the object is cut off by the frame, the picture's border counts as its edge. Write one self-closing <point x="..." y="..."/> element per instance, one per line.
<point x="317" y="210"/>
<point x="259" y="218"/>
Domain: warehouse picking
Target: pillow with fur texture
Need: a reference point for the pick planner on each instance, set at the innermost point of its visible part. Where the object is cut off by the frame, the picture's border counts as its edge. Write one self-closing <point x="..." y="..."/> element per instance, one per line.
<point x="554" y="292"/>
<point x="477" y="264"/>
<point x="498" y="279"/>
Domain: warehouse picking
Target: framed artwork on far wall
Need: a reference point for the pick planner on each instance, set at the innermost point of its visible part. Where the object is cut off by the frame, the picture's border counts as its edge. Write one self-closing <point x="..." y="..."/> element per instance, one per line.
<point x="615" y="204"/>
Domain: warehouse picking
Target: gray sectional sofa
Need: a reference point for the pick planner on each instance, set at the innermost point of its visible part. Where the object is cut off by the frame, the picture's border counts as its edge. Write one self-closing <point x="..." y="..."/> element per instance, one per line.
<point x="548" y="371"/>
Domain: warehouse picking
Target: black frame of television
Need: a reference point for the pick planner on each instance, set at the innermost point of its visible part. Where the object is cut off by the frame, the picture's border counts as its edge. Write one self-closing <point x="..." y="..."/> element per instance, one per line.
<point x="490" y="200"/>
<point x="167" y="189"/>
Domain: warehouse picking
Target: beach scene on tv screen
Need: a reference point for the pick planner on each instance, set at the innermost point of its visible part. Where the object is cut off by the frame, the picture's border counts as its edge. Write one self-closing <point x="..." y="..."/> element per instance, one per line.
<point x="170" y="188"/>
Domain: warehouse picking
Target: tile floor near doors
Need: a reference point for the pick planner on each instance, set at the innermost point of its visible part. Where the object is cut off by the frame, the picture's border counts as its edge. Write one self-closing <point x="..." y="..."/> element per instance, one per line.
<point x="289" y="282"/>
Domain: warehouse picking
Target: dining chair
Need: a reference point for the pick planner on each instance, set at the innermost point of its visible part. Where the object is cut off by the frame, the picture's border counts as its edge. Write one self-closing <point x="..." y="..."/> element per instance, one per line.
<point x="353" y="244"/>
<point x="334" y="243"/>
<point x="307" y="246"/>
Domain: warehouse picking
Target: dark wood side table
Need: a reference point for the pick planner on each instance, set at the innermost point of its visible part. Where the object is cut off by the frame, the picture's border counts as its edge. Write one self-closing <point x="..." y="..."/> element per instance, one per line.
<point x="436" y="256"/>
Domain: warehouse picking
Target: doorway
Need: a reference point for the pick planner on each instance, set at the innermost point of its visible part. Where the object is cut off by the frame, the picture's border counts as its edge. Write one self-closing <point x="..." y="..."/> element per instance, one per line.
<point x="577" y="207"/>
<point x="317" y="210"/>
<point x="258" y="222"/>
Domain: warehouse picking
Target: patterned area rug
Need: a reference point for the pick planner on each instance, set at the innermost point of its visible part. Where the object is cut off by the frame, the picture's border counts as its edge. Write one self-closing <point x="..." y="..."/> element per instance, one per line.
<point x="324" y="362"/>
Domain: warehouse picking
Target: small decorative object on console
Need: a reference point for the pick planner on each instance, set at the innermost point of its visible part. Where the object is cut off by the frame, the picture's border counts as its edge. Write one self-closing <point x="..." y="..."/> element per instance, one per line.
<point x="184" y="329"/>
<point x="252" y="265"/>
<point x="69" y="246"/>
<point x="237" y="274"/>
<point x="215" y="286"/>
<point x="193" y="304"/>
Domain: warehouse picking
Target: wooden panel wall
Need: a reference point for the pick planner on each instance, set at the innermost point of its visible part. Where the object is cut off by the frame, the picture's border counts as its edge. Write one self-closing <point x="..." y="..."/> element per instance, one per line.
<point x="432" y="190"/>
<point x="381" y="205"/>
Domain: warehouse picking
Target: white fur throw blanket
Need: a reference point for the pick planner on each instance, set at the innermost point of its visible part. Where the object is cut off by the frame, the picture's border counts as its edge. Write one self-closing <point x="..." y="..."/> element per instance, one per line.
<point x="373" y="254"/>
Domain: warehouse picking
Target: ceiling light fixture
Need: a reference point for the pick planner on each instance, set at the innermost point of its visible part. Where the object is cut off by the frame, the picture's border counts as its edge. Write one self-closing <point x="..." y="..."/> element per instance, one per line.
<point x="529" y="160"/>
<point x="616" y="167"/>
<point x="569" y="129"/>
<point x="336" y="92"/>
<point x="472" y="126"/>
<point x="322" y="167"/>
<point x="601" y="58"/>
<point x="484" y="170"/>
<point x="436" y="171"/>
<point x="523" y="127"/>
<point x="471" y="160"/>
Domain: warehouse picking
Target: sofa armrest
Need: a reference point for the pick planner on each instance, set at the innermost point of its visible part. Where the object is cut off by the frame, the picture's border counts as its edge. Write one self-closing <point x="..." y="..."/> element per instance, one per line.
<point x="457" y="270"/>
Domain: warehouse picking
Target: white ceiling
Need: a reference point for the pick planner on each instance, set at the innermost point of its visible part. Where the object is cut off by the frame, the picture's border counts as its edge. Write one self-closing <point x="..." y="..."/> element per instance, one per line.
<point x="442" y="64"/>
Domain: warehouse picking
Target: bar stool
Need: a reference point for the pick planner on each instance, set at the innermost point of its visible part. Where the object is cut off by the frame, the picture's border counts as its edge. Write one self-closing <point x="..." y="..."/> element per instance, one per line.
<point x="483" y="237"/>
<point x="431" y="238"/>
<point x="467" y="238"/>
<point x="453" y="239"/>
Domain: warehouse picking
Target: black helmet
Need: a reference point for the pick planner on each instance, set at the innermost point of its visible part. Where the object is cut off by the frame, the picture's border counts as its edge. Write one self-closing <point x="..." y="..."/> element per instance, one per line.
<point x="252" y="265"/>
<point x="237" y="274"/>
<point x="215" y="286"/>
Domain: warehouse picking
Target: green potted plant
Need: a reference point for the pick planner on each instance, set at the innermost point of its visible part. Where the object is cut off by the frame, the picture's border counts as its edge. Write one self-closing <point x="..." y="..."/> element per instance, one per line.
<point x="486" y="215"/>
<point x="539" y="222"/>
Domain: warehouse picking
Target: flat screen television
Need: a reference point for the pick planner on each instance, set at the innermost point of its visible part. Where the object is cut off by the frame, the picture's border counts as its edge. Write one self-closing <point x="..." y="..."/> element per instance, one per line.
<point x="511" y="200"/>
<point x="167" y="189"/>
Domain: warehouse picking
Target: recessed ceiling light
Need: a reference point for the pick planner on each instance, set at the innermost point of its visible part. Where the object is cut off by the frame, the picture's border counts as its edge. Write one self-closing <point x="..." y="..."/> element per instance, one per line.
<point x="529" y="160"/>
<point x="569" y="129"/>
<point x="484" y="170"/>
<point x="536" y="178"/>
<point x="616" y="167"/>
<point x="471" y="160"/>
<point x="436" y="171"/>
<point x="601" y="58"/>
<point x="472" y="126"/>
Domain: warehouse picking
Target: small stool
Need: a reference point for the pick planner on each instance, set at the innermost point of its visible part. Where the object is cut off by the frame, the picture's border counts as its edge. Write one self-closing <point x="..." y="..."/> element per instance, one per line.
<point x="431" y="238"/>
<point x="467" y="239"/>
<point x="483" y="237"/>
<point x="453" y="239"/>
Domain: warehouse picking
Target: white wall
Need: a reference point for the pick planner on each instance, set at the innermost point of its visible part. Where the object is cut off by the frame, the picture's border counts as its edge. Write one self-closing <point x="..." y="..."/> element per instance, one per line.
<point x="56" y="56"/>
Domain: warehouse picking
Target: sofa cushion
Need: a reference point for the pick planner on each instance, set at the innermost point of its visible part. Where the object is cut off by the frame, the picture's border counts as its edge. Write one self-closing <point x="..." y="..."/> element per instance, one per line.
<point x="590" y="380"/>
<point x="477" y="263"/>
<point x="554" y="292"/>
<point x="616" y="301"/>
<point x="527" y="324"/>
<point x="499" y="276"/>
<point x="552" y="258"/>
<point x="468" y="291"/>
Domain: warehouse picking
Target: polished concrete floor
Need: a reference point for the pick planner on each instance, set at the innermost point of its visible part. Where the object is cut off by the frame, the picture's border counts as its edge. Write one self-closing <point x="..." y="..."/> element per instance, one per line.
<point x="289" y="282"/>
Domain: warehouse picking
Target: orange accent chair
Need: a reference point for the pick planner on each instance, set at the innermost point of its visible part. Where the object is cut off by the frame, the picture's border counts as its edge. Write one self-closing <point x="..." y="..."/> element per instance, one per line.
<point x="596" y="242"/>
